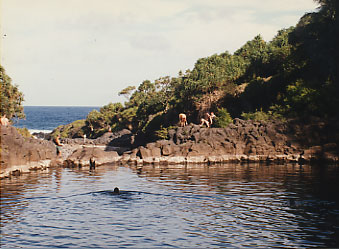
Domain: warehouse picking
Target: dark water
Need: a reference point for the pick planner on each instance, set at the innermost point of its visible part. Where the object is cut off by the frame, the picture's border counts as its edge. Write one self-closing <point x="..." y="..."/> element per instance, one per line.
<point x="281" y="206"/>
<point x="47" y="118"/>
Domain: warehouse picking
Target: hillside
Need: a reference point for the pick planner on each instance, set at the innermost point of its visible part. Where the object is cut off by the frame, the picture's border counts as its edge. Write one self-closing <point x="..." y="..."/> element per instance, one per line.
<point x="295" y="75"/>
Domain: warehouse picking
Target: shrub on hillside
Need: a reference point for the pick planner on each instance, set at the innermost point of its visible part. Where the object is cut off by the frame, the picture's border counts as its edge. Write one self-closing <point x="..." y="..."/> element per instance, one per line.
<point x="262" y="115"/>
<point x="223" y="118"/>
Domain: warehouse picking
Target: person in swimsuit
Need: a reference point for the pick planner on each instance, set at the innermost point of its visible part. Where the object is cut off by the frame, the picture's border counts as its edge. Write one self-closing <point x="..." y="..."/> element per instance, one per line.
<point x="58" y="145"/>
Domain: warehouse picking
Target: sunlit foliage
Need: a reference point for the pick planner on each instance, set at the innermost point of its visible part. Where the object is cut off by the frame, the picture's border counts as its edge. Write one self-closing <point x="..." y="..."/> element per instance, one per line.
<point x="10" y="97"/>
<point x="293" y="75"/>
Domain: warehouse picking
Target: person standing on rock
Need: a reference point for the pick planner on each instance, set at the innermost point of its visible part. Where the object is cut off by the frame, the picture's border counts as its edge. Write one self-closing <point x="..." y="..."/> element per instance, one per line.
<point x="58" y="145"/>
<point x="210" y="118"/>
<point x="182" y="120"/>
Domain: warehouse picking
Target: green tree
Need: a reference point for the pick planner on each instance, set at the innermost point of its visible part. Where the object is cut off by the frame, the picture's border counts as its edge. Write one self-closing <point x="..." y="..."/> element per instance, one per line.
<point x="10" y="97"/>
<point x="165" y="91"/>
<point x="127" y="92"/>
<point x="316" y="52"/>
<point x="109" y="115"/>
<point x="255" y="55"/>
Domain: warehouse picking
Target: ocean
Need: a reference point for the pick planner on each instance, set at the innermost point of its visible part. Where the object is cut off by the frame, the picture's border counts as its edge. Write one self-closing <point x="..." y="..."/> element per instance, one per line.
<point x="47" y="118"/>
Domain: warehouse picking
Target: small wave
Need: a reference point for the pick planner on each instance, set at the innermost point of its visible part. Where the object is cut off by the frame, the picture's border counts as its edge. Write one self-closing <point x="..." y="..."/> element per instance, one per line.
<point x="38" y="131"/>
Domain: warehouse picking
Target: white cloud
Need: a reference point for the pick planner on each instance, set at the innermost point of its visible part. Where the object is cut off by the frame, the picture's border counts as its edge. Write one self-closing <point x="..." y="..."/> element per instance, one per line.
<point x="100" y="46"/>
<point x="149" y="42"/>
<point x="262" y="5"/>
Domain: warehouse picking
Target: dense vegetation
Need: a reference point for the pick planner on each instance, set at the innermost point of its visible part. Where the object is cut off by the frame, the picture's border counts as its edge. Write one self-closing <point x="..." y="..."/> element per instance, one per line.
<point x="294" y="75"/>
<point x="10" y="97"/>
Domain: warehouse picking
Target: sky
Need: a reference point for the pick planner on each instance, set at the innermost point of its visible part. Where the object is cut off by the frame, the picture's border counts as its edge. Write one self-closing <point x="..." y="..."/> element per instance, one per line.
<point x="84" y="52"/>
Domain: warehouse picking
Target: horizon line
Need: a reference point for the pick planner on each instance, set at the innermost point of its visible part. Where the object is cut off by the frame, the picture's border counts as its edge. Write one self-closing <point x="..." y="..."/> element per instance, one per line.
<point x="62" y="105"/>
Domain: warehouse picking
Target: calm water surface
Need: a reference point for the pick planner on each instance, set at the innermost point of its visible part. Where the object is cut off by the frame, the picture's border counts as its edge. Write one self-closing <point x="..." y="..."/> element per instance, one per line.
<point x="181" y="207"/>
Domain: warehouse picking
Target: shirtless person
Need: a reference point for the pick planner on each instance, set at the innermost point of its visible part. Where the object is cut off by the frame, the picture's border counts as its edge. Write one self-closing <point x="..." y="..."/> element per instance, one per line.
<point x="210" y="118"/>
<point x="207" y="119"/>
<point x="58" y="145"/>
<point x="4" y="120"/>
<point x="182" y="120"/>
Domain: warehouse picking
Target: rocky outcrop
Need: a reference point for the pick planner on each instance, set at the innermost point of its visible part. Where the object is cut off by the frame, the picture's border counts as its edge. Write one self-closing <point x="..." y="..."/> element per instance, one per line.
<point x="19" y="154"/>
<point x="82" y="156"/>
<point x="241" y="141"/>
<point x="123" y="138"/>
<point x="120" y="141"/>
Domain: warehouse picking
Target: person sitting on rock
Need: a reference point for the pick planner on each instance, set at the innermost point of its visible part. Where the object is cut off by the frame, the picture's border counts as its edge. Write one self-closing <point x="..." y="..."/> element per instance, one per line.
<point x="207" y="119"/>
<point x="204" y="122"/>
<point x="58" y="145"/>
<point x="4" y="120"/>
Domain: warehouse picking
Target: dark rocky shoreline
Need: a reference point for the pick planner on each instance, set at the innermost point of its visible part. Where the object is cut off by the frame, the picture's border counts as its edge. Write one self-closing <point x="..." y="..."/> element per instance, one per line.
<point x="242" y="141"/>
<point x="20" y="154"/>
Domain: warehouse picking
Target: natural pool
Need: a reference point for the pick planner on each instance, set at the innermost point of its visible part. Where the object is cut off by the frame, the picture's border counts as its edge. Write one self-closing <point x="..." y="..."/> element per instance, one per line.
<point x="232" y="205"/>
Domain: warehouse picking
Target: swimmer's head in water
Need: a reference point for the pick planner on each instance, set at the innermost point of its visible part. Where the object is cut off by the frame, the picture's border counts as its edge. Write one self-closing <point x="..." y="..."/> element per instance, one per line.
<point x="116" y="190"/>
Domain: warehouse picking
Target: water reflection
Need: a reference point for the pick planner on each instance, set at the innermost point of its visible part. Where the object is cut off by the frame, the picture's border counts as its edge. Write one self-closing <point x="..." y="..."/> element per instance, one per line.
<point x="298" y="201"/>
<point x="193" y="206"/>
